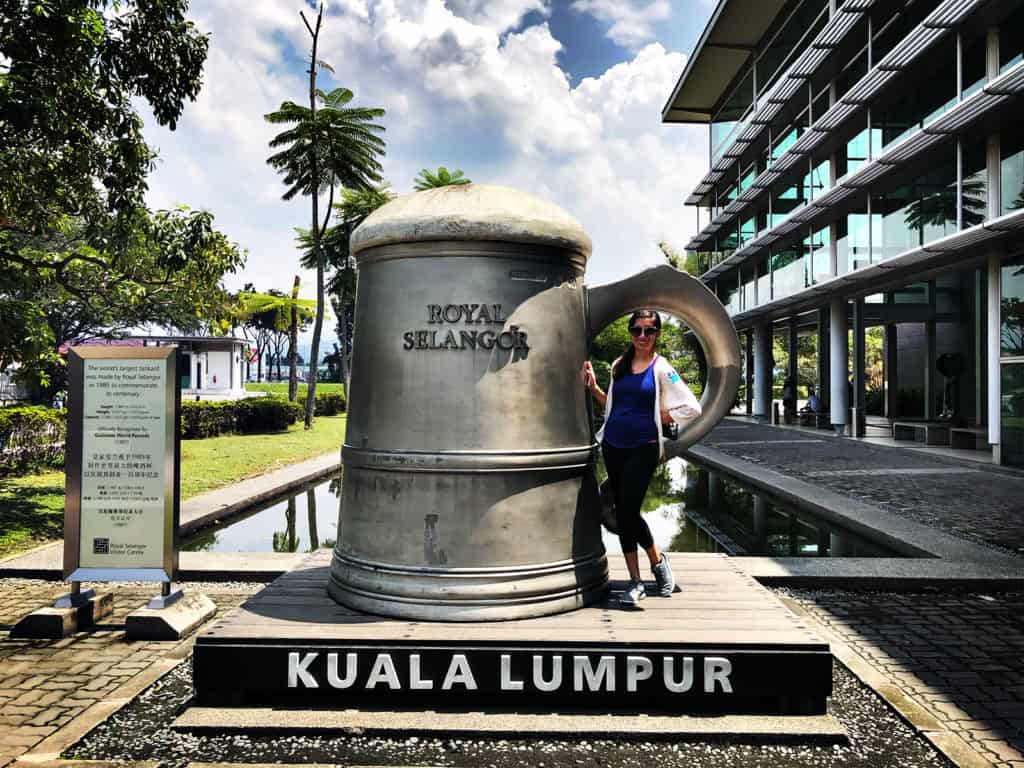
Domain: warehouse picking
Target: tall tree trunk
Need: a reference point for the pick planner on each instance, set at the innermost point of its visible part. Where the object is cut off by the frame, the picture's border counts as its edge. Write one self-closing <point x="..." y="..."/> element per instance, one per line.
<point x="343" y="352"/>
<point x="259" y="364"/>
<point x="293" y="341"/>
<point x="318" y="324"/>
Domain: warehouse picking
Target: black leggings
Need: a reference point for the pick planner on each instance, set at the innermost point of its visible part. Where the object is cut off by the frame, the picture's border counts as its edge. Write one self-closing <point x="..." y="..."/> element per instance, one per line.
<point x="629" y="473"/>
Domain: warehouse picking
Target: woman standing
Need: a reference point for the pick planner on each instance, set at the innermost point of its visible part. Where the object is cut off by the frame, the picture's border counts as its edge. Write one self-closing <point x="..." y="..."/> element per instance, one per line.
<point x="647" y="393"/>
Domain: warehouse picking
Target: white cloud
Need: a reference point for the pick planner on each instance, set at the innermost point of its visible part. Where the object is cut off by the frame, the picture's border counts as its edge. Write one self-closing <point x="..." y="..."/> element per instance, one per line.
<point x="631" y="21"/>
<point x="460" y="91"/>
<point x="497" y="15"/>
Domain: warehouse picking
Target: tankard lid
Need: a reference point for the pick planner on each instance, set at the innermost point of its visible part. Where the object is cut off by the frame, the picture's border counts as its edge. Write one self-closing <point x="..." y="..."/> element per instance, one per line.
<point x="478" y="212"/>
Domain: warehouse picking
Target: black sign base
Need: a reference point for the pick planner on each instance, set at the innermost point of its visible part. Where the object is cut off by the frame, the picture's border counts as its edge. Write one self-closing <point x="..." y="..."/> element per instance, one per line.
<point x="724" y="645"/>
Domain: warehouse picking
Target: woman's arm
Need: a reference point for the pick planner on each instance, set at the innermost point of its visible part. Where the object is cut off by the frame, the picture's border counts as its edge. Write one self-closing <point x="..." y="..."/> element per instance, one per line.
<point x="590" y="382"/>
<point x="677" y="400"/>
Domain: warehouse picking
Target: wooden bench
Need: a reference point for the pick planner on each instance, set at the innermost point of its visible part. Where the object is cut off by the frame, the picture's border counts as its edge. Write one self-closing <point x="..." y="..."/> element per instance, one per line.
<point x="935" y="433"/>
<point x="968" y="437"/>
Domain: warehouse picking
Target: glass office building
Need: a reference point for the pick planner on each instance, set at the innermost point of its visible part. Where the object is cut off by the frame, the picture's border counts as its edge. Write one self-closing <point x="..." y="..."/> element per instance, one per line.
<point x="866" y="180"/>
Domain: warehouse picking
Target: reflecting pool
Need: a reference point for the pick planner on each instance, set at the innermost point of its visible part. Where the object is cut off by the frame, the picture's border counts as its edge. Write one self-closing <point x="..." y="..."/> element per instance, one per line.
<point x="688" y="509"/>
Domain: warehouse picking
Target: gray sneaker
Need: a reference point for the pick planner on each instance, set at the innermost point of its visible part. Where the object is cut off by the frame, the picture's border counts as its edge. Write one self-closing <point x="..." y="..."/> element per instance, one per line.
<point x="663" y="576"/>
<point x="634" y="592"/>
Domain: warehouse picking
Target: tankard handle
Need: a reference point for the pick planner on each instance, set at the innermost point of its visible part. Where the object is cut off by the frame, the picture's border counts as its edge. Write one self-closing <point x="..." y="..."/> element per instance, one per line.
<point x="677" y="293"/>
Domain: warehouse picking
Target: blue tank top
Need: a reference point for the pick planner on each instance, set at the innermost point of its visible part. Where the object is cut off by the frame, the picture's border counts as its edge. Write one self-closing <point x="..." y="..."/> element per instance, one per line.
<point x="631" y="422"/>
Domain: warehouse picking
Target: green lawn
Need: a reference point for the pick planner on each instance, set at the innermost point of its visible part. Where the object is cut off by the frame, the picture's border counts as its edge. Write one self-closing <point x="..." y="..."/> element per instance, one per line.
<point x="281" y="387"/>
<point x="32" y="508"/>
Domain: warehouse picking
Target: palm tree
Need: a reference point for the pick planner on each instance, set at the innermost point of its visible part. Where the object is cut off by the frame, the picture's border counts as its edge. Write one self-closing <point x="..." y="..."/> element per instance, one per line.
<point x="355" y="206"/>
<point x="426" y="179"/>
<point x="334" y="144"/>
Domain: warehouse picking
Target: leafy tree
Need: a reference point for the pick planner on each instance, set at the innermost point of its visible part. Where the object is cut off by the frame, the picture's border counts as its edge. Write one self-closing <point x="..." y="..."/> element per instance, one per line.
<point x="72" y="155"/>
<point x="427" y="179"/>
<point x="84" y="301"/>
<point x="334" y="144"/>
<point x="938" y="208"/>
<point x="266" y="318"/>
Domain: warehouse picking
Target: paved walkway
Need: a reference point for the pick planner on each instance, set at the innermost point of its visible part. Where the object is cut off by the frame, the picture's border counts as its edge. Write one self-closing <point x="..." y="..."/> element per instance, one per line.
<point x="47" y="684"/>
<point x="982" y="504"/>
<point x="960" y="657"/>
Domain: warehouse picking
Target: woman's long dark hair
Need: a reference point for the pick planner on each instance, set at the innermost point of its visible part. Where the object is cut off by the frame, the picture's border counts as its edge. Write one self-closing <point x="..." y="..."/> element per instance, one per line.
<point x="625" y="364"/>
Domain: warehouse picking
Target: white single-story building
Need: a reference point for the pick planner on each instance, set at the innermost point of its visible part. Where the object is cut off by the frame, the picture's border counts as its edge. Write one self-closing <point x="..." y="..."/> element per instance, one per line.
<point x="212" y="367"/>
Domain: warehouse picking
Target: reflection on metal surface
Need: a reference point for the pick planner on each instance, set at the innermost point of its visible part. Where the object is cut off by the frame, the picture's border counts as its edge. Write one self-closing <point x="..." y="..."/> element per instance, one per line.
<point x="469" y="490"/>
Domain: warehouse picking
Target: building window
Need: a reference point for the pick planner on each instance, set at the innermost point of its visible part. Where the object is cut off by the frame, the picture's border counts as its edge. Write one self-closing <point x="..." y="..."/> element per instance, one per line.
<point x="788" y="271"/>
<point x="1011" y="40"/>
<point x="1011" y="438"/>
<point x="1012" y="170"/>
<point x="916" y="106"/>
<point x="1011" y="344"/>
<point x="853" y="155"/>
<point x="1012" y="309"/>
<point x="764" y="281"/>
<point x="818" y="260"/>
<point x="748" y="230"/>
<point x="974" y="202"/>
<point x="735" y="107"/>
<point x="973" y="74"/>
<point x="918" y="211"/>
<point x="818" y="181"/>
<point x="852" y="240"/>
<point x="791" y="39"/>
<point x="747" y="177"/>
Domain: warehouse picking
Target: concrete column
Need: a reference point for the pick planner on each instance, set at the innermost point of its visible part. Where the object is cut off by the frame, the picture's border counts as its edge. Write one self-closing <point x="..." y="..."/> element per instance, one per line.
<point x="930" y="344"/>
<point x="859" y="344"/>
<point x="839" y="350"/>
<point x="980" y="372"/>
<point x="763" y="370"/>
<point x="890" y="347"/>
<point x="749" y="371"/>
<point x="992" y="358"/>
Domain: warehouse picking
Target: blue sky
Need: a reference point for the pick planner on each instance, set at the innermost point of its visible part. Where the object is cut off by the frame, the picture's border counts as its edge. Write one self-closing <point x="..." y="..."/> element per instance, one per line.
<point x="561" y="98"/>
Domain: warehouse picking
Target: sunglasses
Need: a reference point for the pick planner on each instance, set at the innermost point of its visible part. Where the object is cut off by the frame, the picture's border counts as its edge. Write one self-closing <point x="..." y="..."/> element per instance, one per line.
<point x="636" y="330"/>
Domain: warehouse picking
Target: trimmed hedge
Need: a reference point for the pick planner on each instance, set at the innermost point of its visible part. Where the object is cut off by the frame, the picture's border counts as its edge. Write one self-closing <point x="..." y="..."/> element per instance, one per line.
<point x="329" y="403"/>
<point x="204" y="418"/>
<point x="31" y="438"/>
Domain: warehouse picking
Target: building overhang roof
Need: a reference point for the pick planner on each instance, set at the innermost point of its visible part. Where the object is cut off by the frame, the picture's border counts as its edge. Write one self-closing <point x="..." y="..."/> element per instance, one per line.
<point x="735" y="28"/>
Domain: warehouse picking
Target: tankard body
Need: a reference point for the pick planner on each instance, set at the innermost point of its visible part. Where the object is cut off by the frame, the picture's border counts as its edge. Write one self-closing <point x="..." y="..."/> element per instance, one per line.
<point x="469" y="485"/>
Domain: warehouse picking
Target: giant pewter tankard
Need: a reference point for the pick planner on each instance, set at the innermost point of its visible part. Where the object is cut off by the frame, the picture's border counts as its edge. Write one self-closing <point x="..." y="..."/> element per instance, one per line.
<point x="469" y="489"/>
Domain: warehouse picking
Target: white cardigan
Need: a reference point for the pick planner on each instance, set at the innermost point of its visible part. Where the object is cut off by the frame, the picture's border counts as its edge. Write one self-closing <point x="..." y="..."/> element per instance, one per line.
<point x="670" y="391"/>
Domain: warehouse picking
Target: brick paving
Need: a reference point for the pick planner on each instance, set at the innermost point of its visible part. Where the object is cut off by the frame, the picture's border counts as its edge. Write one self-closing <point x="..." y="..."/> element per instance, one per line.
<point x="959" y="656"/>
<point x="44" y="684"/>
<point x="984" y="506"/>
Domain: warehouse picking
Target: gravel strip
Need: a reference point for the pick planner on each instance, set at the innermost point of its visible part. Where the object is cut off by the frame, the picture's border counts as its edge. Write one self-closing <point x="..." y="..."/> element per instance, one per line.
<point x="141" y="731"/>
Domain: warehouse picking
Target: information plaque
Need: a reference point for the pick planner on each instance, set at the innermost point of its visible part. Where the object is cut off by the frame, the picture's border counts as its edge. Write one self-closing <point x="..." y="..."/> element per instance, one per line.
<point x="122" y="462"/>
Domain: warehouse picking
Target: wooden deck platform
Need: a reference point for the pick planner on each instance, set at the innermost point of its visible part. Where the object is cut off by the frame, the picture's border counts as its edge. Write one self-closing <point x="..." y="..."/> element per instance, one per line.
<point x="724" y="643"/>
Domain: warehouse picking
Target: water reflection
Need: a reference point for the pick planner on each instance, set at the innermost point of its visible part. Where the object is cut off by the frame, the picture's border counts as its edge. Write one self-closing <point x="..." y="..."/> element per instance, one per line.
<point x="688" y="509"/>
<point x="295" y="524"/>
<point x="691" y="509"/>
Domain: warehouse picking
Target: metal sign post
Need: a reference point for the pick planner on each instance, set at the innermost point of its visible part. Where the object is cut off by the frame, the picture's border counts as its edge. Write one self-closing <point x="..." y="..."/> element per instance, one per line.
<point x="122" y="467"/>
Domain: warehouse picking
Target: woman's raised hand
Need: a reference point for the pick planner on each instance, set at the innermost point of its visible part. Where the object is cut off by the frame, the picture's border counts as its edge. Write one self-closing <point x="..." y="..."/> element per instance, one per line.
<point x="588" y="375"/>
